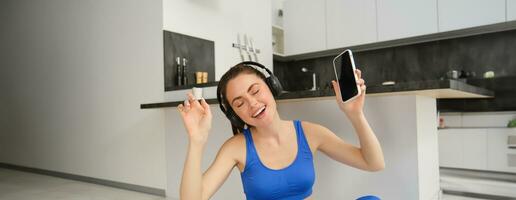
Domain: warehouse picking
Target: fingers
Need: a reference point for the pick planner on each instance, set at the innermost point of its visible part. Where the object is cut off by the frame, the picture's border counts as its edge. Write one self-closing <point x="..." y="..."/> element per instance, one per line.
<point x="187" y="106"/>
<point x="193" y="101"/>
<point x="181" y="108"/>
<point x="336" y="88"/>
<point x="363" y="89"/>
<point x="206" y="107"/>
<point x="191" y="98"/>
<point x="360" y="82"/>
<point x="184" y="108"/>
<point x="359" y="73"/>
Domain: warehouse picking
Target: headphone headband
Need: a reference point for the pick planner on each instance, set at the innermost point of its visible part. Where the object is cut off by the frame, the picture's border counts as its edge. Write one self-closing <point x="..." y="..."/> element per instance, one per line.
<point x="257" y="65"/>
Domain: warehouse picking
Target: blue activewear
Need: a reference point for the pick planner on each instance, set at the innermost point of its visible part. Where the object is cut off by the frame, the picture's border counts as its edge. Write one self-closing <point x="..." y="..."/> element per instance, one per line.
<point x="293" y="182"/>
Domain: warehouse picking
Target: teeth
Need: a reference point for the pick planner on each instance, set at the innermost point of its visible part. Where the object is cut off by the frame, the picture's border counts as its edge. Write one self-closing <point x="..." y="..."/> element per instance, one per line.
<point x="259" y="111"/>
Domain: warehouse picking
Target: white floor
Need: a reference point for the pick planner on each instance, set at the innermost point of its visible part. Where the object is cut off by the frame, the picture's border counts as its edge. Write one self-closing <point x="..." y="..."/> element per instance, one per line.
<point x="483" y="183"/>
<point x="453" y="197"/>
<point x="16" y="185"/>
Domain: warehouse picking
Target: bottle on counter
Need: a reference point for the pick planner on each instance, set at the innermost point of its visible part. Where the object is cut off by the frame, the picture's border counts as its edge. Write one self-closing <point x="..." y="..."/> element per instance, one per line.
<point x="185" y="72"/>
<point x="204" y="77"/>
<point x="179" y="77"/>
<point x="198" y="77"/>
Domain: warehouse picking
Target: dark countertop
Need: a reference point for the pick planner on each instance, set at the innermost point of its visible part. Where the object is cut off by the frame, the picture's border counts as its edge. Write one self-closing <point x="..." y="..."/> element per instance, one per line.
<point x="503" y="87"/>
<point x="435" y="88"/>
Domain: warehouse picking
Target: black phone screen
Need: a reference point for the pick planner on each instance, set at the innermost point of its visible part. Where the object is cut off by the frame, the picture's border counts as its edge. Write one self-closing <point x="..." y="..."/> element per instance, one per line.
<point x="347" y="82"/>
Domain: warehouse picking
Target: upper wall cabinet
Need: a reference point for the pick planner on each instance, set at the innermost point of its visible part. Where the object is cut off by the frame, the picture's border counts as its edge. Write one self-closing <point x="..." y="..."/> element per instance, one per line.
<point x="304" y="26"/>
<point x="458" y="14"/>
<point x="350" y="22"/>
<point x="511" y="10"/>
<point x="406" y="18"/>
<point x="317" y="25"/>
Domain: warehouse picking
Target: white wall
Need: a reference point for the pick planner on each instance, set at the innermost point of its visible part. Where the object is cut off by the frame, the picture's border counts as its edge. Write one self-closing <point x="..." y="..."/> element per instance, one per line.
<point x="277" y="5"/>
<point x="76" y="73"/>
<point x="428" y="148"/>
<point x="220" y="21"/>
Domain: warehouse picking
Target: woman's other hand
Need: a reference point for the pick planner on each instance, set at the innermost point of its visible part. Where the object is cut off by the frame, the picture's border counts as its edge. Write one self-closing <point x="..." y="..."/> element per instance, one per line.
<point x="196" y="118"/>
<point x="354" y="107"/>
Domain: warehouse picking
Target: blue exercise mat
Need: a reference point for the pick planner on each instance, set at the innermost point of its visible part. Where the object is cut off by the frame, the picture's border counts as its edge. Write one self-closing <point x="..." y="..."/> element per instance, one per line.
<point x="369" y="197"/>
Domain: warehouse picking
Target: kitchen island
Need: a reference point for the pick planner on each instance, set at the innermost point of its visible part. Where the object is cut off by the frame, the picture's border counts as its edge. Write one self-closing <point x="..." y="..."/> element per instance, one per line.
<point x="403" y="116"/>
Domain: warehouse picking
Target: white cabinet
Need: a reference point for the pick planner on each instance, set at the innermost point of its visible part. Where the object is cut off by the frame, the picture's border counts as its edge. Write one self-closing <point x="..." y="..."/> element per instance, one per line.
<point x="474" y="143"/>
<point x="477" y="148"/>
<point x="304" y="26"/>
<point x="511" y="10"/>
<point x="350" y="22"/>
<point x="450" y="149"/>
<point x="317" y="25"/>
<point x="458" y="14"/>
<point x="500" y="156"/>
<point x="463" y="148"/>
<point x="406" y="18"/>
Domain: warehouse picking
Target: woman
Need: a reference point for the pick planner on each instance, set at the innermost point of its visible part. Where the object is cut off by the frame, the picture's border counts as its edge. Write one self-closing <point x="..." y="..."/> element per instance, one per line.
<point x="273" y="155"/>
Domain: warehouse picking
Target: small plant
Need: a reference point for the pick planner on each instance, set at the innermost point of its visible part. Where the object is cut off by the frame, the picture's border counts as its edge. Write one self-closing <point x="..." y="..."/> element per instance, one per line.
<point x="512" y="123"/>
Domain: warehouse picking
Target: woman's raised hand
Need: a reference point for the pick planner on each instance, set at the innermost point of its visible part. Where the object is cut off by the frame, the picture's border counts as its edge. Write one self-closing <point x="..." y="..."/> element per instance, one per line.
<point x="196" y="118"/>
<point x="355" y="106"/>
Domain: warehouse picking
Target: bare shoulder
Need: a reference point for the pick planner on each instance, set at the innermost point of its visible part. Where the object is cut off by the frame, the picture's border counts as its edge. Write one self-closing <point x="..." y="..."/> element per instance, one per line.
<point x="313" y="129"/>
<point x="235" y="147"/>
<point x="313" y="133"/>
<point x="234" y="143"/>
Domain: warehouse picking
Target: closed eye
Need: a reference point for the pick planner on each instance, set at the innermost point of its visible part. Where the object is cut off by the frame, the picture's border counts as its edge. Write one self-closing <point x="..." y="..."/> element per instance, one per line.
<point x="256" y="89"/>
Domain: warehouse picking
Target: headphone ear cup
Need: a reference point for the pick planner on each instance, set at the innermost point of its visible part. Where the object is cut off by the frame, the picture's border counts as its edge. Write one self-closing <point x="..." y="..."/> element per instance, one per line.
<point x="234" y="119"/>
<point x="274" y="85"/>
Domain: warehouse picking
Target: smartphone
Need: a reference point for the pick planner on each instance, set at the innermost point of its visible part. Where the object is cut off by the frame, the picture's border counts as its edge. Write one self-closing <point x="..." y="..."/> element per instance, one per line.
<point x="347" y="79"/>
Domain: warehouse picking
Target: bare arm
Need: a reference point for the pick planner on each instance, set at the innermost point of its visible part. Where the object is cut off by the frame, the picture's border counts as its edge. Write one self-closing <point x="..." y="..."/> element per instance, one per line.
<point x="191" y="182"/>
<point x="195" y="185"/>
<point x="369" y="155"/>
<point x="370" y="148"/>
<point x="220" y="169"/>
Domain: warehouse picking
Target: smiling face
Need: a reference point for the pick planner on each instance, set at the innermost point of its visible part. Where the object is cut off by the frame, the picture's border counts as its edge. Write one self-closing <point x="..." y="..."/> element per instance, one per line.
<point x="251" y="99"/>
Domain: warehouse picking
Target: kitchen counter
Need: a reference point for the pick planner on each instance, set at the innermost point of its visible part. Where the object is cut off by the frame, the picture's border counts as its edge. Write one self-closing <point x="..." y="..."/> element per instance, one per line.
<point x="439" y="89"/>
<point x="505" y="99"/>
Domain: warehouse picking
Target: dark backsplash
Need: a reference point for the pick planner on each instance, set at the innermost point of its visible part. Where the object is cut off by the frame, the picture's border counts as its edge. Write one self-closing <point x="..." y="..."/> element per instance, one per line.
<point x="424" y="61"/>
<point x="200" y="54"/>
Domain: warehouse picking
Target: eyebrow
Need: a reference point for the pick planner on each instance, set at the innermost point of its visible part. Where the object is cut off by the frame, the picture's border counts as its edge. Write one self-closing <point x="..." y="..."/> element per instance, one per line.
<point x="239" y="97"/>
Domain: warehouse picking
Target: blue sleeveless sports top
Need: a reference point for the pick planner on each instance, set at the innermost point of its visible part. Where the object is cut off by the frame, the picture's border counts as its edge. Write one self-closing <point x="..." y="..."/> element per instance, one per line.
<point x="292" y="182"/>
